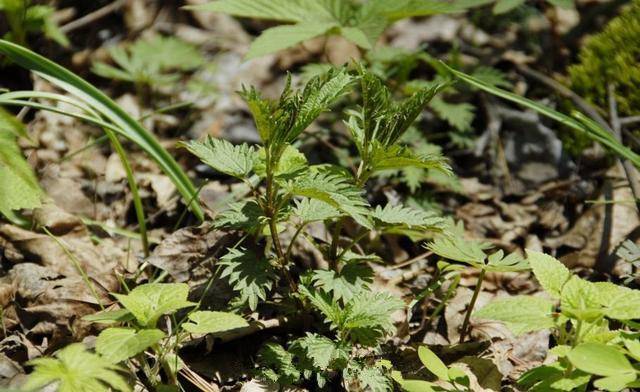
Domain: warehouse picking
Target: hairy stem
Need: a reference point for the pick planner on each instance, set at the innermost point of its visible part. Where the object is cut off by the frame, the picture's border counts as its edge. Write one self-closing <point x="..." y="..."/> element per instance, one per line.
<point x="474" y="298"/>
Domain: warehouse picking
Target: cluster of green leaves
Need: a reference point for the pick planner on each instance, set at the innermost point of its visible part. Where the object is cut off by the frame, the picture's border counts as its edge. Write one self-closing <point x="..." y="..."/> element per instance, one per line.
<point x="18" y="184"/>
<point x="585" y="318"/>
<point x="150" y="62"/>
<point x="453" y="376"/>
<point x="608" y="58"/>
<point x="78" y="370"/>
<point x="24" y="19"/>
<point x="289" y="193"/>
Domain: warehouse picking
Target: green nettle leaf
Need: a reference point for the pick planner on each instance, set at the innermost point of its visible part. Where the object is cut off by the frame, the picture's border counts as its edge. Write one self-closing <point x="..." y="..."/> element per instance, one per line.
<point x="274" y="356"/>
<point x="399" y="157"/>
<point x="367" y="316"/>
<point x="352" y="278"/>
<point x="520" y="314"/>
<point x="245" y="215"/>
<point x="213" y="322"/>
<point x="620" y="303"/>
<point x="149" y="301"/>
<point x="18" y="184"/>
<point x="313" y="210"/>
<point x="431" y="361"/>
<point x="372" y="378"/>
<point x="76" y="370"/>
<point x="551" y="273"/>
<point x="236" y="161"/>
<point x="400" y="215"/>
<point x="250" y="275"/>
<point x="118" y="344"/>
<point x="323" y="352"/>
<point x="581" y="299"/>
<point x="280" y="10"/>
<point x="334" y="189"/>
<point x="457" y="248"/>
<point x="458" y="115"/>
<point x="291" y="163"/>
<point x="600" y="359"/>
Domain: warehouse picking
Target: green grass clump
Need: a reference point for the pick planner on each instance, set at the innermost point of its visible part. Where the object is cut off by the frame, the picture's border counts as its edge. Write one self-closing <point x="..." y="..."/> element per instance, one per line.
<point x="612" y="57"/>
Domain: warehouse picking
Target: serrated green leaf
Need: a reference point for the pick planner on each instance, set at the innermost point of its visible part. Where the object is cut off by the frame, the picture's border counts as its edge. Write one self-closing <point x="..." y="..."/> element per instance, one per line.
<point x="119" y="344"/>
<point x="246" y="215"/>
<point x="313" y="210"/>
<point x="513" y="262"/>
<point x="398" y="157"/>
<point x="551" y="273"/>
<point x="76" y="370"/>
<point x="367" y="316"/>
<point x="600" y="359"/>
<point x="351" y="279"/>
<point x="280" y="10"/>
<point x="236" y="161"/>
<point x="209" y="322"/>
<point x="149" y="301"/>
<point x="458" y="115"/>
<point x="251" y="276"/>
<point x="373" y="378"/>
<point x="275" y="356"/>
<point x="334" y="189"/>
<point x="520" y="314"/>
<point x="281" y="37"/>
<point x="620" y="303"/>
<point x="409" y="217"/>
<point x="581" y="299"/>
<point x="323" y="352"/>
<point x="291" y="163"/>
<point x="431" y="361"/>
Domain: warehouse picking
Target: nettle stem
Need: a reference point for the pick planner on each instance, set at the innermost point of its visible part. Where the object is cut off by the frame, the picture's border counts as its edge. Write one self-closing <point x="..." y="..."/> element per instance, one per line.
<point x="474" y="298"/>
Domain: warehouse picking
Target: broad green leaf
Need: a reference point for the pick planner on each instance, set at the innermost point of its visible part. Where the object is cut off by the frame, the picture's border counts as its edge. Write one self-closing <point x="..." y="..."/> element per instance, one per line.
<point x="620" y="303"/>
<point x="18" y="184"/>
<point x="118" y="344"/>
<point x="213" y="322"/>
<point x="98" y="101"/>
<point x="634" y="348"/>
<point x="76" y="370"/>
<point x="615" y="383"/>
<point x="291" y="163"/>
<point x="372" y="378"/>
<point x="581" y="299"/>
<point x="367" y="316"/>
<point x="551" y="273"/>
<point x="149" y="301"/>
<point x="600" y="359"/>
<point x="398" y="157"/>
<point x="352" y="278"/>
<point x="245" y="215"/>
<point x="431" y="361"/>
<point x="251" y="276"/>
<point x="236" y="161"/>
<point x="323" y="352"/>
<point x="313" y="210"/>
<point x="334" y="189"/>
<point x="580" y="122"/>
<point x="282" y="37"/>
<point x="520" y="314"/>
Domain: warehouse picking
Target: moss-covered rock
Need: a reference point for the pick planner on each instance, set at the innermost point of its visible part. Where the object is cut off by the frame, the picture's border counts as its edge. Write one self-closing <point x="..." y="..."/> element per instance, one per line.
<point x="612" y="56"/>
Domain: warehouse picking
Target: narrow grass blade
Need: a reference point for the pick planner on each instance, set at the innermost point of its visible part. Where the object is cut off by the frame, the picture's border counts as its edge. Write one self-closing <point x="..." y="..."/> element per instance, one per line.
<point x="579" y="122"/>
<point x="108" y="109"/>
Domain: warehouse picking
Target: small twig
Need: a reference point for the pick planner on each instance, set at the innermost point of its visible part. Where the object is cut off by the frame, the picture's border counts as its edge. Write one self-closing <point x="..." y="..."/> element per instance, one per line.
<point x="629" y="120"/>
<point x="92" y="17"/>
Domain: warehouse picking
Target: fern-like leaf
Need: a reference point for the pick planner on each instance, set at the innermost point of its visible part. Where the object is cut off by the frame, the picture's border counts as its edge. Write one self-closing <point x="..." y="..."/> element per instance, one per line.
<point x="458" y="115"/>
<point x="409" y="217"/>
<point x="236" y="161"/>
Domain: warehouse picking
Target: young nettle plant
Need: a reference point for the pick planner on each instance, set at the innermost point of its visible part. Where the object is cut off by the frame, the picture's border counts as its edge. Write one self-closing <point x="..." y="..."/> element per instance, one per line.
<point x="289" y="193"/>
<point x="591" y="323"/>
<point x="139" y="332"/>
<point x="453" y="246"/>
